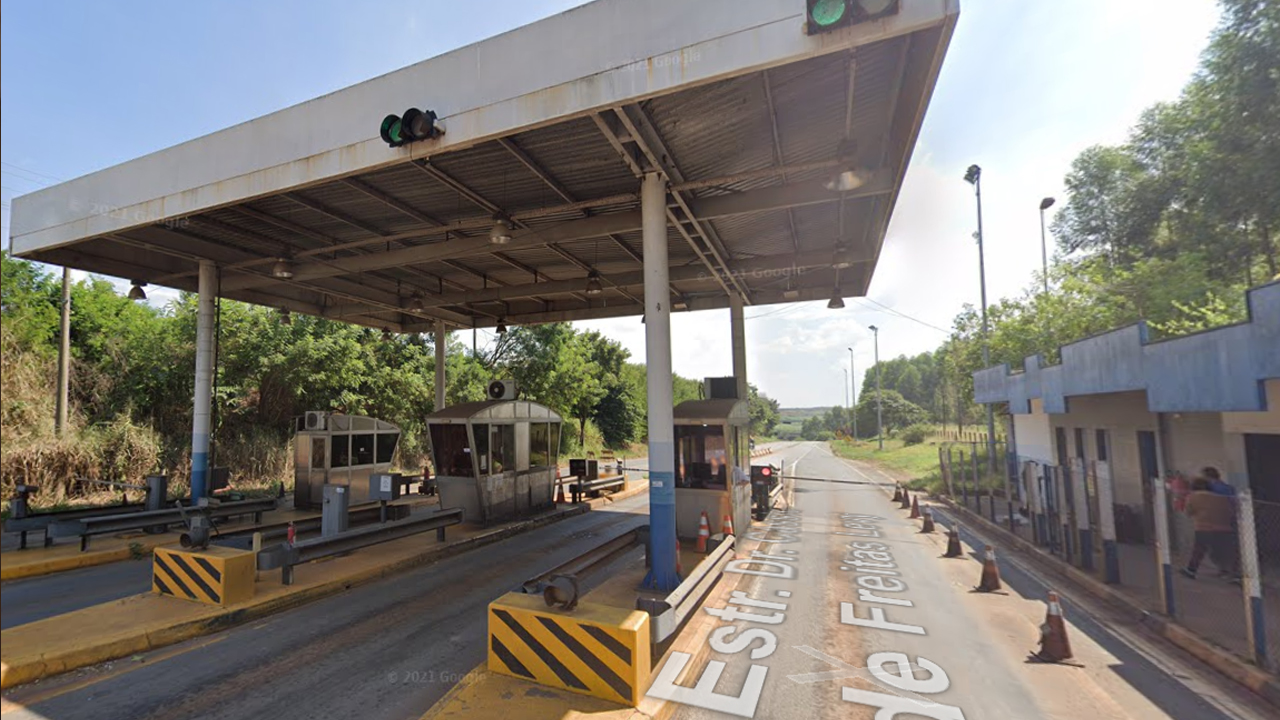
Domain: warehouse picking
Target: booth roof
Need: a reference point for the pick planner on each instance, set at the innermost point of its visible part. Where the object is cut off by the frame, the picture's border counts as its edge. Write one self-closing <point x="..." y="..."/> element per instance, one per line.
<point x="734" y="412"/>
<point x="496" y="410"/>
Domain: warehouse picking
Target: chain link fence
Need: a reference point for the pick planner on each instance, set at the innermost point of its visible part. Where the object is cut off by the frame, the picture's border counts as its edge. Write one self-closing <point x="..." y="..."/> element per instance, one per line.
<point x="1208" y="558"/>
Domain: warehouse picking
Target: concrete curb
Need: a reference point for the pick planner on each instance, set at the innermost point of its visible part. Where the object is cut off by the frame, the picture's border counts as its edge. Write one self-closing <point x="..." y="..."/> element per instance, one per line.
<point x="1261" y="682"/>
<point x="17" y="671"/>
<point x="62" y="564"/>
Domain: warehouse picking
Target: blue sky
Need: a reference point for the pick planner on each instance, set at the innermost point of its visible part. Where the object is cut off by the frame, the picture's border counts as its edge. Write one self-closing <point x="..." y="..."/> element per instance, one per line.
<point x="1026" y="85"/>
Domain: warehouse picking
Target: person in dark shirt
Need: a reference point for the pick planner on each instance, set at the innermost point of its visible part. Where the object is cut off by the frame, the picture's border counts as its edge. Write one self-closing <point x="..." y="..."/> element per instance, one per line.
<point x="1213" y="517"/>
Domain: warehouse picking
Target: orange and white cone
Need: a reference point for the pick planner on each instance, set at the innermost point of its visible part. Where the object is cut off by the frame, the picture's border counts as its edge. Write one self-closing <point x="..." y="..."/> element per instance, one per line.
<point x="953" y="544"/>
<point x="906" y="499"/>
<point x="897" y="493"/>
<point x="559" y="489"/>
<point x="704" y="532"/>
<point x="915" y="508"/>
<point x="727" y="528"/>
<point x="990" y="581"/>
<point x="927" y="526"/>
<point x="1054" y="646"/>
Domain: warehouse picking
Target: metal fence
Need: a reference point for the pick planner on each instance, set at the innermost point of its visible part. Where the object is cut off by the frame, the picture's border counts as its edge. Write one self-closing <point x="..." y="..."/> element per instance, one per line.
<point x="1230" y="594"/>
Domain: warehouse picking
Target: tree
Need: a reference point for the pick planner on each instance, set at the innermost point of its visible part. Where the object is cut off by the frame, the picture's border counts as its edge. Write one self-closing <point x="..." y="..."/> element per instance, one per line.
<point x="764" y="412"/>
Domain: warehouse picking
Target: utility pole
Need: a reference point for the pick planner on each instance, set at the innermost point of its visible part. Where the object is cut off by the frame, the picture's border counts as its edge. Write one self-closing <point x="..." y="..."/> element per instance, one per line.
<point x="973" y="176"/>
<point x="64" y="355"/>
<point x="1045" y="204"/>
<point x="853" y="394"/>
<point x="879" y="407"/>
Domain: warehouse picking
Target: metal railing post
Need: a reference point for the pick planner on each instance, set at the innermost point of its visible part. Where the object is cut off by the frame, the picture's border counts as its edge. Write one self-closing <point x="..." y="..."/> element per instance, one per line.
<point x="1251" y="576"/>
<point x="1107" y="527"/>
<point x="1082" y="516"/>
<point x="1164" y="564"/>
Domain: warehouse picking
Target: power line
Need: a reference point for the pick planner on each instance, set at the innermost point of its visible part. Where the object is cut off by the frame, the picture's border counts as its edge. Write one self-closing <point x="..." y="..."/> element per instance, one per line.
<point x="31" y="172"/>
<point x="904" y="315"/>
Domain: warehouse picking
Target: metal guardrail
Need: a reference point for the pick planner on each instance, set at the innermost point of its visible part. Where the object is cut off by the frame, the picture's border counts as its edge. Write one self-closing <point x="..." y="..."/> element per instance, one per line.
<point x="670" y="613"/>
<point x="358" y="515"/>
<point x="591" y="561"/>
<point x="581" y="488"/>
<point x="104" y="524"/>
<point x="42" y="520"/>
<point x="286" y="556"/>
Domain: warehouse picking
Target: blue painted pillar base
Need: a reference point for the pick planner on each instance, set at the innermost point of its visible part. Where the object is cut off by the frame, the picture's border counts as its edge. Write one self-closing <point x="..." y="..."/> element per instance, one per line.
<point x="664" y="546"/>
<point x="199" y="475"/>
<point x="1259" y="632"/>
<point x="1111" y="562"/>
<point x="1086" y="550"/>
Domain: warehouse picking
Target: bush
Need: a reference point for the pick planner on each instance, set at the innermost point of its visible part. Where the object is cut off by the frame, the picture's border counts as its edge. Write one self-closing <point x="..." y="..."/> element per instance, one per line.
<point x="916" y="434"/>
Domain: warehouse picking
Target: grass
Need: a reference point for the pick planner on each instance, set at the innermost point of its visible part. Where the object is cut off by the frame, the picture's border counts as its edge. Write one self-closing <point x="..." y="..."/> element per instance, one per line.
<point x="919" y="462"/>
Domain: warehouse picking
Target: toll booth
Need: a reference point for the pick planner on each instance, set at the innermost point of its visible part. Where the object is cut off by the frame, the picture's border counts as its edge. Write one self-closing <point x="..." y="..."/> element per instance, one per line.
<point x="335" y="449"/>
<point x="712" y="462"/>
<point x="495" y="459"/>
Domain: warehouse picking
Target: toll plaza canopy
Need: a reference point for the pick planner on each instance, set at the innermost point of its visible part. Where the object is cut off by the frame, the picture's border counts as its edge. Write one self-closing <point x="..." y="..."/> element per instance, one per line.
<point x="782" y="153"/>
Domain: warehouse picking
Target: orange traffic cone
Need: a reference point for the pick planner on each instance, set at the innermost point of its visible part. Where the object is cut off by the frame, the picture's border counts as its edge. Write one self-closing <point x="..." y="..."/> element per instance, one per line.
<point x="727" y="529"/>
<point x="897" y="493"/>
<point x="906" y="499"/>
<point x="559" y="489"/>
<point x="1054" y="646"/>
<point x="953" y="544"/>
<point x="927" y="527"/>
<point x="704" y="532"/>
<point x="915" y="508"/>
<point x="990" y="581"/>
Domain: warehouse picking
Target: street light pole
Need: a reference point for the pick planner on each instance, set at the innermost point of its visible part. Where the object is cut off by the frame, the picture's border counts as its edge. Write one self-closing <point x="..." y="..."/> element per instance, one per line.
<point x="1045" y="204"/>
<point x="853" y="393"/>
<point x="973" y="176"/>
<point x="846" y="386"/>
<point x="879" y="408"/>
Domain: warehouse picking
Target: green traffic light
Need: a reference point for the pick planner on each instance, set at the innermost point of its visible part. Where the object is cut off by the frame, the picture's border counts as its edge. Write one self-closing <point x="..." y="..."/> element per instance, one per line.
<point x="392" y="131"/>
<point x="825" y="13"/>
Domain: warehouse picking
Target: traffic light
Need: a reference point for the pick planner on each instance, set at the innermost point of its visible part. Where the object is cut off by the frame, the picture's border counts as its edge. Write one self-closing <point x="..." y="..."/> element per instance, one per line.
<point x="827" y="15"/>
<point x="413" y="125"/>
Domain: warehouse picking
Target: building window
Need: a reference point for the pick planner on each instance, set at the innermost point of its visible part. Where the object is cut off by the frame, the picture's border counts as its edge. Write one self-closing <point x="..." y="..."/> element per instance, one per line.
<point x="502" y="448"/>
<point x="317" y="452"/>
<point x="1080" y="443"/>
<point x="539" y="445"/>
<point x="1100" y="441"/>
<point x="362" y="449"/>
<point x="387" y="446"/>
<point x="451" y="452"/>
<point x="340" y="456"/>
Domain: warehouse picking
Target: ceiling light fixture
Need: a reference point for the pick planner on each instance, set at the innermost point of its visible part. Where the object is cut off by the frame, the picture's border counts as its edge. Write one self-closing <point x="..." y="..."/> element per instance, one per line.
<point x="416" y="303"/>
<point x="593" y="284"/>
<point x="282" y="270"/>
<point x="842" y="258"/>
<point x="136" y="292"/>
<point x="836" y="302"/>
<point x="847" y="176"/>
<point x="502" y="326"/>
<point x="500" y="233"/>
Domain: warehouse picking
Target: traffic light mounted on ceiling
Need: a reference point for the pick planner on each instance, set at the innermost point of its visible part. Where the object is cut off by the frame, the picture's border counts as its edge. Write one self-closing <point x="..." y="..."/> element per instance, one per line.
<point x="827" y="15"/>
<point x="414" y="125"/>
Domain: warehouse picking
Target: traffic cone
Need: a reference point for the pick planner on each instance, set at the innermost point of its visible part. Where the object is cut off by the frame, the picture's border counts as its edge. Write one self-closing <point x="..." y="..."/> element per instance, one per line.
<point x="727" y="529"/>
<point x="1054" y="646"/>
<point x="953" y="544"/>
<point x="704" y="532"/>
<point x="990" y="581"/>
<point x="291" y="534"/>
<point x="906" y="500"/>
<point x="897" y="493"/>
<point x="927" y="527"/>
<point x="915" y="508"/>
<point x="559" y="488"/>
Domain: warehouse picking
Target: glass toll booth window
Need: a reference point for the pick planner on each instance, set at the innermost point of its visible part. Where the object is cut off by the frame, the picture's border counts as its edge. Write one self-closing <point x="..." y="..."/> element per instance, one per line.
<point x="451" y="450"/>
<point x="503" y="448"/>
<point x="703" y="456"/>
<point x="539" y="445"/>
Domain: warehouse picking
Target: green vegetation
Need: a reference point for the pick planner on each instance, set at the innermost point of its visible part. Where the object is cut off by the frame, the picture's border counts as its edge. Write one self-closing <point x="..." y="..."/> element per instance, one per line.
<point x="132" y="375"/>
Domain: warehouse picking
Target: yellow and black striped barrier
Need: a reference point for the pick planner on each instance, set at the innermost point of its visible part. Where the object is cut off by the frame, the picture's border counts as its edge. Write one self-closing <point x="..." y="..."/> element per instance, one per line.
<point x="595" y="650"/>
<point x="216" y="575"/>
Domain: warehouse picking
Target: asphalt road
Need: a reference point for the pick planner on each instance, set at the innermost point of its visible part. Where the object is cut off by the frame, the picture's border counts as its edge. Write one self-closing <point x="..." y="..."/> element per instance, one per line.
<point x="36" y="598"/>
<point x="386" y="650"/>
<point x="981" y="642"/>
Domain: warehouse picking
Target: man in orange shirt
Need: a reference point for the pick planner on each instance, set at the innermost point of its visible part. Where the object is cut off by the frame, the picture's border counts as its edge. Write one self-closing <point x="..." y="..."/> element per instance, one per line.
<point x="1213" y="517"/>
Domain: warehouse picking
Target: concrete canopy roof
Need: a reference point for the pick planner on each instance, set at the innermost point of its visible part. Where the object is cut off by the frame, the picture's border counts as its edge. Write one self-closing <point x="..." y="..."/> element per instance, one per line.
<point x="551" y="125"/>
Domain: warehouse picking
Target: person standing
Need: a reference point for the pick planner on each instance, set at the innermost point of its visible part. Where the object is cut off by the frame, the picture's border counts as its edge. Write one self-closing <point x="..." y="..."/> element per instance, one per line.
<point x="1227" y="557"/>
<point x="1213" y="517"/>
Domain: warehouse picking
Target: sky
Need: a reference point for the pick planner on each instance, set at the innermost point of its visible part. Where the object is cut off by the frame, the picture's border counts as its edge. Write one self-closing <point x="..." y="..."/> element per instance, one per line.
<point x="1026" y="85"/>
